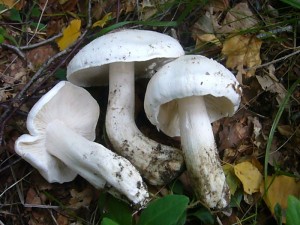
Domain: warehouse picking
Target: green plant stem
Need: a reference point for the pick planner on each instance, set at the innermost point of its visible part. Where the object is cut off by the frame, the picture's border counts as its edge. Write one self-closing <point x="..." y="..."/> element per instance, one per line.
<point x="273" y="128"/>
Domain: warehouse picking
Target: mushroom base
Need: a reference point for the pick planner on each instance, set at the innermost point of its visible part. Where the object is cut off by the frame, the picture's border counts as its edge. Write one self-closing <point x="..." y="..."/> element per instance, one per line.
<point x="201" y="155"/>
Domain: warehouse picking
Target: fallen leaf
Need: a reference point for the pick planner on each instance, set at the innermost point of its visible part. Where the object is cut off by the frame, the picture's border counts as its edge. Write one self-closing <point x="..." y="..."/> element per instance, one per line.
<point x="207" y="38"/>
<point x="81" y="199"/>
<point x="240" y="17"/>
<point x="8" y="3"/>
<point x="270" y="83"/>
<point x="32" y="197"/>
<point x="279" y="190"/>
<point x="242" y="51"/>
<point x="40" y="55"/>
<point x="101" y="23"/>
<point x="249" y="175"/>
<point x="70" y="34"/>
<point x="231" y="179"/>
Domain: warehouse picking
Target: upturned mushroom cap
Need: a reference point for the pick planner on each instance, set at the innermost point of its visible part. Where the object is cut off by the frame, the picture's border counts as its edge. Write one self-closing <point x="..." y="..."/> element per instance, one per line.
<point x="190" y="75"/>
<point x="75" y="101"/>
<point x="90" y="67"/>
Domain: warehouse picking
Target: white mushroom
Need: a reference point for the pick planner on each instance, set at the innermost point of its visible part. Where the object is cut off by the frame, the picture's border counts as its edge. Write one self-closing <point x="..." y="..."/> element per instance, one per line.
<point x="182" y="99"/>
<point x="60" y="144"/>
<point x="120" y="56"/>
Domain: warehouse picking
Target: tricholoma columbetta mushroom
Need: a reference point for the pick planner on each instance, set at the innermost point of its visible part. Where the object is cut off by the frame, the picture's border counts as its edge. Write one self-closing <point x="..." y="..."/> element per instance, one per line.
<point x="182" y="99"/>
<point x="60" y="144"/>
<point x="120" y="56"/>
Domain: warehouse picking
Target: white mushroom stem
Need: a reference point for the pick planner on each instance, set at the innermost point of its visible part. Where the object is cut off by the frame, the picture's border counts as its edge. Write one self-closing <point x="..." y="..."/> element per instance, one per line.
<point x="94" y="162"/>
<point x="200" y="152"/>
<point x="157" y="163"/>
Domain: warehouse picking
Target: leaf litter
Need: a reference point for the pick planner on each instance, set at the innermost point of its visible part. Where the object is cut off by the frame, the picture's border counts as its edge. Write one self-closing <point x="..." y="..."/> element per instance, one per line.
<point x="221" y="29"/>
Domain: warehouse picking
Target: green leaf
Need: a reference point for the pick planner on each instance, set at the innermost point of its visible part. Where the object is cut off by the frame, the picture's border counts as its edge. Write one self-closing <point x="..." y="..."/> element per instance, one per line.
<point x="177" y="187"/>
<point x="182" y="219"/>
<point x="278" y="214"/>
<point x="294" y="3"/>
<point x="15" y="15"/>
<point x="167" y="210"/>
<point x="39" y="26"/>
<point x="204" y="215"/>
<point x="293" y="211"/>
<point x="61" y="74"/>
<point x="118" y="211"/>
<point x="1" y="38"/>
<point x="236" y="199"/>
<point x="36" y="12"/>
<point x="107" y="221"/>
<point x="231" y="179"/>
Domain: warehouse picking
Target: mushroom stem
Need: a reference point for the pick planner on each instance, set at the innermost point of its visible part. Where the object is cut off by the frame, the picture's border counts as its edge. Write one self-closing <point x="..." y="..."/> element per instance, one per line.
<point x="157" y="163"/>
<point x="200" y="152"/>
<point x="94" y="162"/>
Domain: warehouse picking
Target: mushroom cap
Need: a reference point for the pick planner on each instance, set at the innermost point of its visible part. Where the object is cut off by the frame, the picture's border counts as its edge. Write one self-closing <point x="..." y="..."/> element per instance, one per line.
<point x="149" y="49"/>
<point x="73" y="106"/>
<point x="190" y="75"/>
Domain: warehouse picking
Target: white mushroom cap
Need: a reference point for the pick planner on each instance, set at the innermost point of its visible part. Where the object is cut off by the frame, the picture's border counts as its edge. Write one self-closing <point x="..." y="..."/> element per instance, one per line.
<point x="90" y="67"/>
<point x="190" y="76"/>
<point x="75" y="101"/>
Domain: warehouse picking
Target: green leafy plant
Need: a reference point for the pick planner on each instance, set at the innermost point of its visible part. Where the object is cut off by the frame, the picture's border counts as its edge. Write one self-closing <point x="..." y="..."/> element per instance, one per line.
<point x="294" y="3"/>
<point x="205" y="216"/>
<point x="169" y="210"/>
<point x="117" y="211"/>
<point x="293" y="211"/>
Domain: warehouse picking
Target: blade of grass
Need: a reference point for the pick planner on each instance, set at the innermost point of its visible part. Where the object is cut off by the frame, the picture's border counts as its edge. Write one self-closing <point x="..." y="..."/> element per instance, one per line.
<point x="273" y="128"/>
<point x="144" y="23"/>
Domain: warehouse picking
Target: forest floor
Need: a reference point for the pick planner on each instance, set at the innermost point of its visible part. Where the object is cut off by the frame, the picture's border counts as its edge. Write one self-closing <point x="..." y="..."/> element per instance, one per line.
<point x="259" y="145"/>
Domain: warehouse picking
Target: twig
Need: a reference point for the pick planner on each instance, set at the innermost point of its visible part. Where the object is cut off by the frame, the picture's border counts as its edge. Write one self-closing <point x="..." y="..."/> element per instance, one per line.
<point x="274" y="61"/>
<point x="28" y="47"/>
<point x="14" y="184"/>
<point x="15" y="49"/>
<point x="40" y="18"/>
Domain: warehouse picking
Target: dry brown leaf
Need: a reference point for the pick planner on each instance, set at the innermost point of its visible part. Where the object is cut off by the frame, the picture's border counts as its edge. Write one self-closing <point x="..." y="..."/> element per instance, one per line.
<point x="39" y="55"/>
<point x="242" y="51"/>
<point x="234" y="133"/>
<point x="207" y="38"/>
<point x="281" y="187"/>
<point x="62" y="220"/>
<point x="81" y="199"/>
<point x="249" y="175"/>
<point x="150" y="7"/>
<point x="32" y="197"/>
<point x="240" y="17"/>
<point x="271" y="83"/>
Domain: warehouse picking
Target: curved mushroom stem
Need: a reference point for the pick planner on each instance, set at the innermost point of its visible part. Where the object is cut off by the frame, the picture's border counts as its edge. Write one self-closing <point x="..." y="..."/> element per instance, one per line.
<point x="95" y="163"/>
<point x="200" y="152"/>
<point x="157" y="163"/>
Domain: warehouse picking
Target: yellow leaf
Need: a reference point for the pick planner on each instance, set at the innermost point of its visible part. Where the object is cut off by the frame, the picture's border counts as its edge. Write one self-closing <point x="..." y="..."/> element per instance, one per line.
<point x="281" y="187"/>
<point x="249" y="175"/>
<point x="101" y="23"/>
<point x="70" y="34"/>
<point x="8" y="3"/>
<point x="242" y="51"/>
<point x="204" y="38"/>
